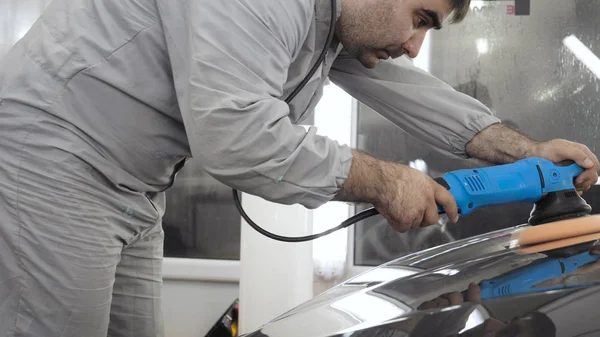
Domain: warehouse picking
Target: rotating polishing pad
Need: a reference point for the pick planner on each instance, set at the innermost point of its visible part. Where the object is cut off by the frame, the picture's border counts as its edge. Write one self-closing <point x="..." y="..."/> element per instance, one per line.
<point x="556" y="235"/>
<point x="559" y="205"/>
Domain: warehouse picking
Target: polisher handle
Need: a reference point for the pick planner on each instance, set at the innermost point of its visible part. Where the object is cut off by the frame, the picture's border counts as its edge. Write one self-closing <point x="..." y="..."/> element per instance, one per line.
<point x="558" y="177"/>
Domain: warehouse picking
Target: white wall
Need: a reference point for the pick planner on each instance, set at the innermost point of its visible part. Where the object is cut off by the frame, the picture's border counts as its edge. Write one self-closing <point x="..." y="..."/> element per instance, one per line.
<point x="196" y="293"/>
<point x="191" y="308"/>
<point x="275" y="276"/>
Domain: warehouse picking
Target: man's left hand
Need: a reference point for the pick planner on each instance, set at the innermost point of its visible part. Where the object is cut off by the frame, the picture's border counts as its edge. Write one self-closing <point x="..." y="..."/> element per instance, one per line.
<point x="558" y="150"/>
<point x="499" y="144"/>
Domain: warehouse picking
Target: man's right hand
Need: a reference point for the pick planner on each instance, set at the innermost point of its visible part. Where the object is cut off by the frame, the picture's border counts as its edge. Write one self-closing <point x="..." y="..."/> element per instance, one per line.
<point x="409" y="198"/>
<point x="406" y="197"/>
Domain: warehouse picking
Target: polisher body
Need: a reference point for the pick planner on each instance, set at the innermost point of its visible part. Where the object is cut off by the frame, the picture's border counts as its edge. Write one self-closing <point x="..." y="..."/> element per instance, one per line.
<point x="526" y="180"/>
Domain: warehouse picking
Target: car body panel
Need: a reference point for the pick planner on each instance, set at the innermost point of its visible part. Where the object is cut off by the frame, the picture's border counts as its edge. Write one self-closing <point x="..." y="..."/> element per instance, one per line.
<point x="396" y="298"/>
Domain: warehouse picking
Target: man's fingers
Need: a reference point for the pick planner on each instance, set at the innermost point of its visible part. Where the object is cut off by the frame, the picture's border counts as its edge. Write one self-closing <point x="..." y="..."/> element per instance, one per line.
<point x="590" y="155"/>
<point x="585" y="178"/>
<point x="442" y="301"/>
<point x="427" y="305"/>
<point x="455" y="298"/>
<point x="446" y="200"/>
<point x="431" y="215"/>
<point x="474" y="293"/>
<point x="560" y="150"/>
<point x="590" y="176"/>
<point x="587" y="152"/>
<point x="417" y="221"/>
<point x="574" y="153"/>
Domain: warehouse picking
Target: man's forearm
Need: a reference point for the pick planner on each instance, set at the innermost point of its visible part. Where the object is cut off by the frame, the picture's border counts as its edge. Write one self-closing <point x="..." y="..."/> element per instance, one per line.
<point x="368" y="177"/>
<point x="499" y="144"/>
<point x="406" y="197"/>
<point x="364" y="180"/>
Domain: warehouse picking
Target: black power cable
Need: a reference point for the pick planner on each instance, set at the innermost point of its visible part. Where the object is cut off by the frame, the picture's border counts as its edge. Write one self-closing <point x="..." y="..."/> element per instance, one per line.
<point x="355" y="218"/>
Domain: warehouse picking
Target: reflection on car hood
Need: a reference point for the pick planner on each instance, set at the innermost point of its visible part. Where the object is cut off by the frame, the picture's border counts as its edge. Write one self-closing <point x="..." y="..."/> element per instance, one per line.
<point x="425" y="294"/>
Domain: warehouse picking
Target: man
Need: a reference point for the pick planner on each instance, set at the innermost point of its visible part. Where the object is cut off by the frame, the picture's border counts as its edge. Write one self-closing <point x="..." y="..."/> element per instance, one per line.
<point x="103" y="100"/>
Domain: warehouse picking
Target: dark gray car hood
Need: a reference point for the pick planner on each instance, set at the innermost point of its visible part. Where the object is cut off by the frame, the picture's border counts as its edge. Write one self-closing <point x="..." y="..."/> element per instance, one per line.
<point x="385" y="301"/>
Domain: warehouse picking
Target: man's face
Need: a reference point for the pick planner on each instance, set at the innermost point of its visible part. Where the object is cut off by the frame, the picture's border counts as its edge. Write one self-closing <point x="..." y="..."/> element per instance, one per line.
<point x="371" y="30"/>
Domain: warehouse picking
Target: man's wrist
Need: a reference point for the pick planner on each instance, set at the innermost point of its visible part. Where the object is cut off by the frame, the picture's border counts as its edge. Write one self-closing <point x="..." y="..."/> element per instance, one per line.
<point x="366" y="180"/>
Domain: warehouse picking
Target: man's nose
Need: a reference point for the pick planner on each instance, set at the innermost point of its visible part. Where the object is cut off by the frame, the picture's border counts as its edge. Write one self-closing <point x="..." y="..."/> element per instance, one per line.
<point x="413" y="45"/>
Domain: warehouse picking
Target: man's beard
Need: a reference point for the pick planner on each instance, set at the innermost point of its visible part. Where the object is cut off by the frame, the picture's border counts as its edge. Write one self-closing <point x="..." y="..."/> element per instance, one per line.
<point x="364" y="55"/>
<point x="353" y="46"/>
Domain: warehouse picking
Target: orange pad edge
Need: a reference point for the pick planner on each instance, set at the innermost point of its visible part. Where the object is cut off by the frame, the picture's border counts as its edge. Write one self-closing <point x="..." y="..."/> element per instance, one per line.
<point x="558" y="231"/>
<point x="543" y="247"/>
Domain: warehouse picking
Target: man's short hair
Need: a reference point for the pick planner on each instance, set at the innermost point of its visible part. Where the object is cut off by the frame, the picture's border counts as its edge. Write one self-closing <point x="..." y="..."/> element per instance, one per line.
<point x="459" y="8"/>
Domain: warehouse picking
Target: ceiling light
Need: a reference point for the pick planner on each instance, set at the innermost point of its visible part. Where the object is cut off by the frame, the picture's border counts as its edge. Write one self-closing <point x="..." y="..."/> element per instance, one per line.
<point x="583" y="54"/>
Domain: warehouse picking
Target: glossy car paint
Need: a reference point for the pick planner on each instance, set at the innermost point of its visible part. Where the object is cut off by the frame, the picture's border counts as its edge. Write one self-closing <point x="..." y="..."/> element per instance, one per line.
<point x="388" y="300"/>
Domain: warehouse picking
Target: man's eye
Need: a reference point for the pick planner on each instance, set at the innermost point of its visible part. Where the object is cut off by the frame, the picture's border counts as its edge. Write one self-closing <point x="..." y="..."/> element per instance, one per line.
<point x="421" y="23"/>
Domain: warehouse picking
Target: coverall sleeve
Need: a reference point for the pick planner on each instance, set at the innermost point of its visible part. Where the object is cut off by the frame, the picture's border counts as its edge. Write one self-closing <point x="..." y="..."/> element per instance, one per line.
<point x="414" y="100"/>
<point x="238" y="125"/>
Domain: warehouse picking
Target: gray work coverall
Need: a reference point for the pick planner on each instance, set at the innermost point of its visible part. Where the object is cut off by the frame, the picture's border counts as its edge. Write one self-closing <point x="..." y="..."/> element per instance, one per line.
<point x="103" y="100"/>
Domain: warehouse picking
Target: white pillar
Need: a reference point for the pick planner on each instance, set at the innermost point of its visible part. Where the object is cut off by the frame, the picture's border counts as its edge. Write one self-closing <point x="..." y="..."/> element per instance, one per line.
<point x="275" y="276"/>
